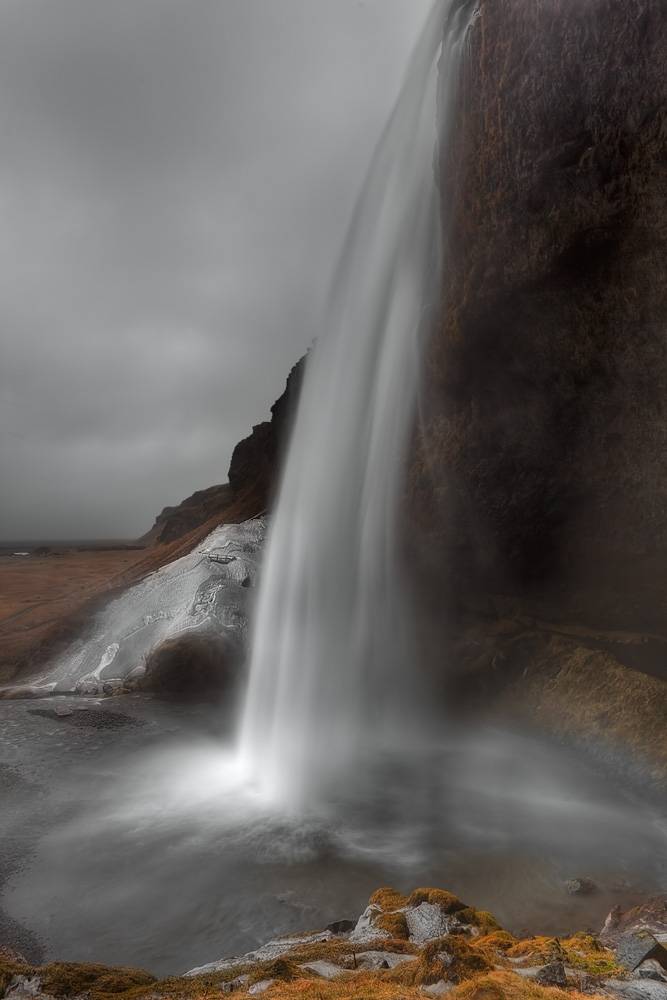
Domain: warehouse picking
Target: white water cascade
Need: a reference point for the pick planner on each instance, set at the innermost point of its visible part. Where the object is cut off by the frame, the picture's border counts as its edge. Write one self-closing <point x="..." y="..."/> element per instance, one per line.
<point x="332" y="674"/>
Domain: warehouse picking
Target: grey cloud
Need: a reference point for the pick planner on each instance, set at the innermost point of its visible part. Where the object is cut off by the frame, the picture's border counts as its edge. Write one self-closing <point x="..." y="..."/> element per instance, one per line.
<point x="175" y="182"/>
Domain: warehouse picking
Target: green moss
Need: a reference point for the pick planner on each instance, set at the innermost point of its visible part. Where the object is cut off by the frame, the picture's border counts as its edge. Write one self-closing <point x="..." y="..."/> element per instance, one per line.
<point x="582" y="951"/>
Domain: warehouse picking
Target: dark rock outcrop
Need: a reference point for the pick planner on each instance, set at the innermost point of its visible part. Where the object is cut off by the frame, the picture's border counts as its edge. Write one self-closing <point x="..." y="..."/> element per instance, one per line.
<point x="538" y="482"/>
<point x="174" y="522"/>
<point x="253" y="476"/>
<point x="542" y="459"/>
<point x="193" y="666"/>
<point x="256" y="461"/>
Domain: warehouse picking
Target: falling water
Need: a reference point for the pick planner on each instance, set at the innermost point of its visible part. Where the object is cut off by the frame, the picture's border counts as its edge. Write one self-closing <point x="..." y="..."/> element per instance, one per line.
<point x="332" y="672"/>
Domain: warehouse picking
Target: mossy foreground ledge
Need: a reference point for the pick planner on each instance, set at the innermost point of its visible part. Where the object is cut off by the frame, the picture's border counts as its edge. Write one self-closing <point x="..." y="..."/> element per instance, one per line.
<point x="428" y="943"/>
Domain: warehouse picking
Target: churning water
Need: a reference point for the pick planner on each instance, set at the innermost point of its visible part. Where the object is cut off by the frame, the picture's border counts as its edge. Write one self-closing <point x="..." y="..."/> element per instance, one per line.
<point x="332" y="673"/>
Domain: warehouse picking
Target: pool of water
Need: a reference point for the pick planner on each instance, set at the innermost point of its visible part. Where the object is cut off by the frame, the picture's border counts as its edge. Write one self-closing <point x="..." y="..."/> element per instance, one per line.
<point x="128" y="836"/>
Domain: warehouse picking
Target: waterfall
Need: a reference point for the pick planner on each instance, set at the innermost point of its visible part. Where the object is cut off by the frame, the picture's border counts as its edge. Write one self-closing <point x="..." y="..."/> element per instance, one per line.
<point x="332" y="671"/>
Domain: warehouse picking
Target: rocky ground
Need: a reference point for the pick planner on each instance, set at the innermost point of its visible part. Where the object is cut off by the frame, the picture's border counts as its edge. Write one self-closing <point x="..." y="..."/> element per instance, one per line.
<point x="427" y="944"/>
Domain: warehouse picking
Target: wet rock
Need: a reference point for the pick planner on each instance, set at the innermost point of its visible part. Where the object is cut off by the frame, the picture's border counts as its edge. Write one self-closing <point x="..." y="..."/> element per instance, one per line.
<point x="365" y="929"/>
<point x="651" y="969"/>
<point x="636" y="989"/>
<point x="650" y="916"/>
<point x="552" y="974"/>
<point x="193" y="666"/>
<point x="427" y="922"/>
<point x="113" y="686"/>
<point x="341" y="926"/>
<point x="326" y="970"/>
<point x="376" y="960"/>
<point x="438" y="989"/>
<point x="235" y="984"/>
<point x="580" y="886"/>
<point x="26" y="988"/>
<point x="278" y="948"/>
<point x="261" y="987"/>
<point x="527" y="971"/>
<point x="638" y="946"/>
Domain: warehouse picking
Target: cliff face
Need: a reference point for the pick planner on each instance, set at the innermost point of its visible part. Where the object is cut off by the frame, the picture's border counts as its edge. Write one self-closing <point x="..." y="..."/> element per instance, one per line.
<point x="543" y="461"/>
<point x="253" y="475"/>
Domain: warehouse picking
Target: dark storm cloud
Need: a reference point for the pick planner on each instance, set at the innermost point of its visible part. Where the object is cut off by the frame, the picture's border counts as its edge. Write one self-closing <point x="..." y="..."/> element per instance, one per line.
<point x="175" y="181"/>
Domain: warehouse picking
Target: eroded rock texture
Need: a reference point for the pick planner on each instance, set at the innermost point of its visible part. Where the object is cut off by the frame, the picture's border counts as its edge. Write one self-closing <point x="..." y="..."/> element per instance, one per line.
<point x="543" y="464"/>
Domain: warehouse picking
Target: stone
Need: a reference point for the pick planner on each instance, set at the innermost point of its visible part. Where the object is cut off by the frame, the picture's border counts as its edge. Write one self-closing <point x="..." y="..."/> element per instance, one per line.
<point x="427" y="922"/>
<point x="552" y="974"/>
<point x="636" y="989"/>
<point x="651" y="968"/>
<point x="375" y="960"/>
<point x="650" y="915"/>
<point x="326" y="970"/>
<point x="341" y="926"/>
<point x="580" y="886"/>
<point x="192" y="666"/>
<point x="277" y="948"/>
<point x="26" y="988"/>
<point x="638" y="946"/>
<point x="113" y="686"/>
<point x="261" y="987"/>
<point x="438" y="989"/>
<point x="235" y="984"/>
<point x="365" y="930"/>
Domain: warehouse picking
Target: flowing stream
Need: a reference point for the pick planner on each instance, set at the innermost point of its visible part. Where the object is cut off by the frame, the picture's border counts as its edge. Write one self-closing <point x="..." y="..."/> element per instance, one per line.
<point x="332" y="673"/>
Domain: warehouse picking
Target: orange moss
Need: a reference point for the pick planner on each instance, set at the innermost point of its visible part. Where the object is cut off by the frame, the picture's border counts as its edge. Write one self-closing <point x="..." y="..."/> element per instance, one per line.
<point x="66" y="979"/>
<point x="509" y="986"/>
<point x="452" y="958"/>
<point x="394" y="924"/>
<point x="338" y="951"/>
<point x="439" y="897"/>
<point x="388" y="899"/>
<point x="497" y="941"/>
<point x="363" y="987"/>
<point x="582" y="951"/>
<point x="539" y="948"/>
<point x="485" y="921"/>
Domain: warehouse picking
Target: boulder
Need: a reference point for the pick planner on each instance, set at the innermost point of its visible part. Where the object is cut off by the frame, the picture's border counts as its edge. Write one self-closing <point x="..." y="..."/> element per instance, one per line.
<point x="651" y="968"/>
<point x="365" y="929"/>
<point x="650" y="916"/>
<point x="193" y="666"/>
<point x="427" y="922"/>
<point x="552" y="974"/>
<point x="636" y="989"/>
<point x="326" y="970"/>
<point x="341" y="926"/>
<point x="580" y="886"/>
<point x="637" y="947"/>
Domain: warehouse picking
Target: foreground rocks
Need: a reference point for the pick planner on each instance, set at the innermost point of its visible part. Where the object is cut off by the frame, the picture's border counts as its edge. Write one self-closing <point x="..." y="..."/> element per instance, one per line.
<point x="427" y="944"/>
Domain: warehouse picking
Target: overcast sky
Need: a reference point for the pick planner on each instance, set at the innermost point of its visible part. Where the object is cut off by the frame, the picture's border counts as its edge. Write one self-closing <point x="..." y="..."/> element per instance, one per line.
<point x="175" y="180"/>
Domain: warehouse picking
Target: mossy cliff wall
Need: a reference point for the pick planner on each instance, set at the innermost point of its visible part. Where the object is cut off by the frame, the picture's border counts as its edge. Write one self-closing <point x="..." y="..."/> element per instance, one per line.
<point x="542" y="463"/>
